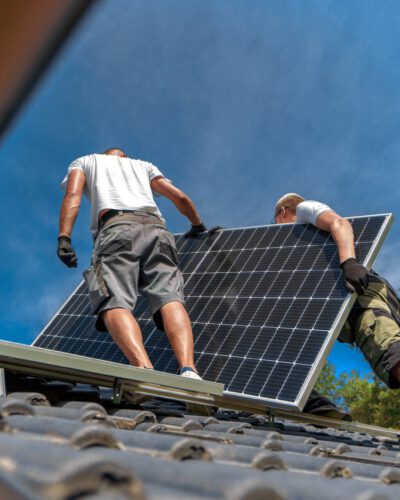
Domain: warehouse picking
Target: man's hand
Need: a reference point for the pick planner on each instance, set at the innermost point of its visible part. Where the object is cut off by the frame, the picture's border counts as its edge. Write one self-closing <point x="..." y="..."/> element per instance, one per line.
<point x="65" y="252"/>
<point x="195" y="230"/>
<point x="355" y="276"/>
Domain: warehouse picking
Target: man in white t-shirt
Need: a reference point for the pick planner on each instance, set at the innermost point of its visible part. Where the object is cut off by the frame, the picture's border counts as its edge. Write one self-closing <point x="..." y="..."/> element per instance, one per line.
<point x="294" y="208"/>
<point x="133" y="250"/>
<point x="373" y="324"/>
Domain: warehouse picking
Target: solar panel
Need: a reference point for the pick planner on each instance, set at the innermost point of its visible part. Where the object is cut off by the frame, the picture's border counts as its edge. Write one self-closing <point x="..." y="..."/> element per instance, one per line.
<point x="266" y="304"/>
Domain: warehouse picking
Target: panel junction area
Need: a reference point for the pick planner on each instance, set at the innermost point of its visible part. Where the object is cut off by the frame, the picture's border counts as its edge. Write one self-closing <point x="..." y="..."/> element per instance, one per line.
<point x="266" y="304"/>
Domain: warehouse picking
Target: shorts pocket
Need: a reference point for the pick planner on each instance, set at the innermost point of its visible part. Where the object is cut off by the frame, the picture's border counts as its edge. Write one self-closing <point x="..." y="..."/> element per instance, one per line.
<point x="167" y="245"/>
<point x="113" y="239"/>
<point x="115" y="246"/>
<point x="169" y="251"/>
<point x="98" y="292"/>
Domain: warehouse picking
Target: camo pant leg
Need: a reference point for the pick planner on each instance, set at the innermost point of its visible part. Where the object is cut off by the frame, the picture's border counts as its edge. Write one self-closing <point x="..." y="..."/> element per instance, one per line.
<point x="378" y="337"/>
<point x="377" y="329"/>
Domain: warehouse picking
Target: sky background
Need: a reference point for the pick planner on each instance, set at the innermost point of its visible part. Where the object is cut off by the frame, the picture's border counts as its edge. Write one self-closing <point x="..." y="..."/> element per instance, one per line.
<point x="236" y="101"/>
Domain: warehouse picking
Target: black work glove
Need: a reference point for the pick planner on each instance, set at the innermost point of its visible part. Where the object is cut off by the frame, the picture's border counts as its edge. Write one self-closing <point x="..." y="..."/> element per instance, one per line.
<point x="355" y="276"/>
<point x="195" y="230"/>
<point x="65" y="252"/>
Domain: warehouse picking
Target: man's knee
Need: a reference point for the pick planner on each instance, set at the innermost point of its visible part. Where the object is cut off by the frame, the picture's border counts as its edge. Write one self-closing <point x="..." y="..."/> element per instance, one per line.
<point x="171" y="310"/>
<point x="175" y="317"/>
<point x="171" y="305"/>
<point x="115" y="314"/>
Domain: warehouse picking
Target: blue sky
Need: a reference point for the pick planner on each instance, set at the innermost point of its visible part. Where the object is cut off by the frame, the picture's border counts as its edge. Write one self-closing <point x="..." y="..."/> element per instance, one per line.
<point x="237" y="102"/>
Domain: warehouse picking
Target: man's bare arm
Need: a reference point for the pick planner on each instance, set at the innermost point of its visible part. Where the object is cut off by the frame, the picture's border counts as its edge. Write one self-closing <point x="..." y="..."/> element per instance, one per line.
<point x="355" y="275"/>
<point x="181" y="200"/>
<point x="341" y="231"/>
<point x="71" y="202"/>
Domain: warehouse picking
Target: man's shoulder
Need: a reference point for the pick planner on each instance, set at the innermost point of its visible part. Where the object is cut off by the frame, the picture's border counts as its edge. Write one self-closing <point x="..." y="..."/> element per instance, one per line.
<point x="309" y="210"/>
<point x="312" y="205"/>
<point x="144" y="163"/>
<point x="83" y="160"/>
<point x="151" y="170"/>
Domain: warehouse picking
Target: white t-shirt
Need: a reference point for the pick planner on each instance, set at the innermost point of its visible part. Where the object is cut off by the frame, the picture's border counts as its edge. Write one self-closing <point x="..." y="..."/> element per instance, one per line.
<point x="116" y="183"/>
<point x="307" y="212"/>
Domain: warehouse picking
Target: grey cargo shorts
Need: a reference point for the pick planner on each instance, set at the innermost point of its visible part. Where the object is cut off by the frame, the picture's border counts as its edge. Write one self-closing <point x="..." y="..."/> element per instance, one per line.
<point x="134" y="253"/>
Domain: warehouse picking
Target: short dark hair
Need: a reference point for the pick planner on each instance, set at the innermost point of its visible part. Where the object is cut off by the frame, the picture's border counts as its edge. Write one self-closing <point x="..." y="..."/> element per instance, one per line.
<point x="110" y="150"/>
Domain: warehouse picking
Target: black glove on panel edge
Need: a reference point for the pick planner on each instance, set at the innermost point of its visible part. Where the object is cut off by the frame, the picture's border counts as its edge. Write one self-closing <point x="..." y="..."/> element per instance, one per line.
<point x="195" y="230"/>
<point x="355" y="276"/>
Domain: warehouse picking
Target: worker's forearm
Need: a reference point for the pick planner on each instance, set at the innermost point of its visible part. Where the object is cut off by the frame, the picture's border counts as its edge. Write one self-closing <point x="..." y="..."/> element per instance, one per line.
<point x="186" y="207"/>
<point x="342" y="233"/>
<point x="68" y="213"/>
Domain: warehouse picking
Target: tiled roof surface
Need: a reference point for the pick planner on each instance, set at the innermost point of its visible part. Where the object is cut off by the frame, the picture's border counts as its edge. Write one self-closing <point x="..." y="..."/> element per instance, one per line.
<point x="65" y="442"/>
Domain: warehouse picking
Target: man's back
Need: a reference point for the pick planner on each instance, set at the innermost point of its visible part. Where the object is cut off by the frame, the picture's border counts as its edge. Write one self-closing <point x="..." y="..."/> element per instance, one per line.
<point x="114" y="182"/>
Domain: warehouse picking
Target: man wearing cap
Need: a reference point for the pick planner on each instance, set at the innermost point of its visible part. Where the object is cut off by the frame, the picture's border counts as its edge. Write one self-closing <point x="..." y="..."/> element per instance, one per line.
<point x="373" y="324"/>
<point x="133" y="250"/>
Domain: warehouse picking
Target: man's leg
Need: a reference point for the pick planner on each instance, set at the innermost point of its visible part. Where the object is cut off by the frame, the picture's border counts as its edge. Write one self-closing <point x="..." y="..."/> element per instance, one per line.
<point x="377" y="330"/>
<point x="378" y="338"/>
<point x="179" y="332"/>
<point x="126" y="333"/>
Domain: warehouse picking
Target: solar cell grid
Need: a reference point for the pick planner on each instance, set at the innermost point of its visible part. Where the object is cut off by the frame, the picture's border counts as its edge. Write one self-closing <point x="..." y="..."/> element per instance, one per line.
<point x="263" y="303"/>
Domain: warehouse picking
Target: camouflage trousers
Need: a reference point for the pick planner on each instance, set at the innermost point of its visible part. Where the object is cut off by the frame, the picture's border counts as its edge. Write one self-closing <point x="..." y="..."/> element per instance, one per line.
<point x="374" y="327"/>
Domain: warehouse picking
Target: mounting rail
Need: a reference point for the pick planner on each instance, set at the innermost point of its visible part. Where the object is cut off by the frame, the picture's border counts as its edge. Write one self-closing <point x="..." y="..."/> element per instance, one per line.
<point x="61" y="366"/>
<point x="46" y="363"/>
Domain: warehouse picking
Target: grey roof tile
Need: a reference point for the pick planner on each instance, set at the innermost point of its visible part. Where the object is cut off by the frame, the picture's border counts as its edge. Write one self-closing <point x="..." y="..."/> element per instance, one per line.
<point x="54" y="471"/>
<point x="137" y="416"/>
<point x="11" y="406"/>
<point x="82" y="448"/>
<point x="210" y="479"/>
<point x="84" y="405"/>
<point x="33" y="398"/>
<point x="254" y="457"/>
<point x="185" y="423"/>
<point x="260" y="442"/>
<point x="84" y="415"/>
<point x="234" y="427"/>
<point x="390" y="475"/>
<point x="11" y="487"/>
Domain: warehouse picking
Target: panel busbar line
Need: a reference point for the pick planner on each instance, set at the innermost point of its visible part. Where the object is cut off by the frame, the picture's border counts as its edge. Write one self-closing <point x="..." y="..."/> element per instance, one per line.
<point x="266" y="304"/>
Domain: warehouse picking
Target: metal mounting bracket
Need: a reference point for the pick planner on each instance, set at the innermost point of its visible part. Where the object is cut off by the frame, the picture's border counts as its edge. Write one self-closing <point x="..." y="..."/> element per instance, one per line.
<point x="118" y="389"/>
<point x="271" y="417"/>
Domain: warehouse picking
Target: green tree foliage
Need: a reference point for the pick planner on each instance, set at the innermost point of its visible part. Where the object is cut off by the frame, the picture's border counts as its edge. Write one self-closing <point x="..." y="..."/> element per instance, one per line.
<point x="327" y="383"/>
<point x="367" y="398"/>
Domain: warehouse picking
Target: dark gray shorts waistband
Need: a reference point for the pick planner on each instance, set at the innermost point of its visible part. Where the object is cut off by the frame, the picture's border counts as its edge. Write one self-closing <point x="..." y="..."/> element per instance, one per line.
<point x="131" y="216"/>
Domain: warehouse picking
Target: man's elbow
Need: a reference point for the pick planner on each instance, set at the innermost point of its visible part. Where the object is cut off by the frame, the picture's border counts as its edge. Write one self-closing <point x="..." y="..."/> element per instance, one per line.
<point x="340" y="224"/>
<point x="72" y="199"/>
<point x="181" y="198"/>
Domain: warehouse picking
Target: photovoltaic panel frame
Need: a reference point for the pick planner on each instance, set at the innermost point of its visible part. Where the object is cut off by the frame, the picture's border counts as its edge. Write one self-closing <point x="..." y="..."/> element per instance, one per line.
<point x="266" y="304"/>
